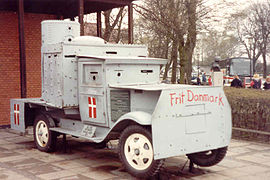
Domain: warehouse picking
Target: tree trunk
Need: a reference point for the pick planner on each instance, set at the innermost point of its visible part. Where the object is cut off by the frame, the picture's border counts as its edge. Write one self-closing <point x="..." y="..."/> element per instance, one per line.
<point x="186" y="48"/>
<point x="192" y="34"/>
<point x="108" y="26"/>
<point x="174" y="60"/>
<point x="167" y="67"/>
<point x="253" y="66"/>
<point x="264" y="65"/>
<point x="165" y="56"/>
<point x="183" y="60"/>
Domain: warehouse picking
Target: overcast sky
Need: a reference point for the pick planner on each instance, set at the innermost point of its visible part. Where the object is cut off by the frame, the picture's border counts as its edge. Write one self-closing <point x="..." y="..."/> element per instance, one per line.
<point x="225" y="8"/>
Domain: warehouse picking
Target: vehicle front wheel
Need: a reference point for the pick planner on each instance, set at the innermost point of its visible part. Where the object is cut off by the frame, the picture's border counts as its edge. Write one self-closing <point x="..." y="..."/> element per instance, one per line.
<point x="208" y="158"/>
<point x="45" y="139"/>
<point x="136" y="152"/>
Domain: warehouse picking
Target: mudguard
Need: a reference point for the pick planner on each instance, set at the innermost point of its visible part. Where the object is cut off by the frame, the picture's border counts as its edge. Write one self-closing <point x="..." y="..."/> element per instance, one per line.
<point x="139" y="117"/>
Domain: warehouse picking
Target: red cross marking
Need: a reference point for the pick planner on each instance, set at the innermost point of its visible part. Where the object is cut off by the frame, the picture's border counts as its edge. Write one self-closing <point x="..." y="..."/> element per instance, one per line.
<point x="16" y="114"/>
<point x="92" y="107"/>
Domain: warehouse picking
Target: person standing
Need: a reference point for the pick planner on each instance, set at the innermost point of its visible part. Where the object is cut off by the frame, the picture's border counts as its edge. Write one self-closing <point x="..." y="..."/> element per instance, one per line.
<point x="266" y="85"/>
<point x="204" y="78"/>
<point x="236" y="82"/>
<point x="198" y="80"/>
<point x="209" y="81"/>
<point x="256" y="82"/>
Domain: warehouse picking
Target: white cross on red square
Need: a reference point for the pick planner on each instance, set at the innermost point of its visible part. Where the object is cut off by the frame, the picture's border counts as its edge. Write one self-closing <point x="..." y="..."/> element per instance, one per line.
<point x="16" y="114"/>
<point x="92" y="107"/>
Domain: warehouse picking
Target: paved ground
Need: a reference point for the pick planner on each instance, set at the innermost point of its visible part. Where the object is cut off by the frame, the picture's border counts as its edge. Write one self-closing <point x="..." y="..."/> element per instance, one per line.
<point x="19" y="159"/>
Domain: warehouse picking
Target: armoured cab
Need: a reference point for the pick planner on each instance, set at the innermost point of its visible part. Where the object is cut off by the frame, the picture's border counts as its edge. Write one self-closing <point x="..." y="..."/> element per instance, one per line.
<point x="100" y="103"/>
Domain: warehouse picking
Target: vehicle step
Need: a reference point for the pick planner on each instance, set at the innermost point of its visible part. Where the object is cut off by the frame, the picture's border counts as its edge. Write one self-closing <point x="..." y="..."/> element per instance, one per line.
<point x="75" y="133"/>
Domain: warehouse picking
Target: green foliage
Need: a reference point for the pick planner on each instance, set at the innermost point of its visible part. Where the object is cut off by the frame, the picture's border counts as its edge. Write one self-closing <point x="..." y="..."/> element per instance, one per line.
<point x="250" y="109"/>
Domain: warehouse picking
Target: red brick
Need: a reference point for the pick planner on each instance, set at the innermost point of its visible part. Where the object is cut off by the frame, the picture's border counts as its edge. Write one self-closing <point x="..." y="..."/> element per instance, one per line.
<point x="10" y="61"/>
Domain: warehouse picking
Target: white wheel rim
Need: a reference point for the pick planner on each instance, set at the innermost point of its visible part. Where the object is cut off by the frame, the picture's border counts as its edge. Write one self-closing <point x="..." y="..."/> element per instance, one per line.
<point x="42" y="133"/>
<point x="138" y="151"/>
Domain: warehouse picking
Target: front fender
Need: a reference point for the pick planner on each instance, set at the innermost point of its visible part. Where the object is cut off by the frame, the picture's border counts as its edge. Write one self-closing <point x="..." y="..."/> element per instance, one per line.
<point x="139" y="117"/>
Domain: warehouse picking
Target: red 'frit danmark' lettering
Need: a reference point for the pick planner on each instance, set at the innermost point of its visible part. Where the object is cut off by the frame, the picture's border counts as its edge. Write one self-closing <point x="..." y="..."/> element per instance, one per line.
<point x="220" y="100"/>
<point x="16" y="114"/>
<point x="191" y="96"/>
<point x="92" y="107"/>
<point x="177" y="99"/>
<point x="204" y="98"/>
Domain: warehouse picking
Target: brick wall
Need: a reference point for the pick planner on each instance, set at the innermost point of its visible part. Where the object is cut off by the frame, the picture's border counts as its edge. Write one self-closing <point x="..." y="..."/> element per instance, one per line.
<point x="10" y="61"/>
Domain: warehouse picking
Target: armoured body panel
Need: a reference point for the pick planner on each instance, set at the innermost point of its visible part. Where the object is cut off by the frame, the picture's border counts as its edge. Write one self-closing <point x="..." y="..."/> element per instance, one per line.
<point x="185" y="119"/>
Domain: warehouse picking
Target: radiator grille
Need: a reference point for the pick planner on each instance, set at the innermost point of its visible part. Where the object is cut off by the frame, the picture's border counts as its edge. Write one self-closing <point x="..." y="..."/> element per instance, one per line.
<point x="120" y="104"/>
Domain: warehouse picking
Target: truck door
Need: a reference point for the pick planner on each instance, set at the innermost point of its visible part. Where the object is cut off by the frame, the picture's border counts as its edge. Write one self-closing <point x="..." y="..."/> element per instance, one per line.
<point x="92" y="93"/>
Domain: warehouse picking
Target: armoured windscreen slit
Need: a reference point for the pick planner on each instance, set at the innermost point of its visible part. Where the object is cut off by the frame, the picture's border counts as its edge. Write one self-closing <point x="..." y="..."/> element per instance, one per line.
<point x="69" y="56"/>
<point x="93" y="72"/>
<point x="111" y="52"/>
<point x="146" y="71"/>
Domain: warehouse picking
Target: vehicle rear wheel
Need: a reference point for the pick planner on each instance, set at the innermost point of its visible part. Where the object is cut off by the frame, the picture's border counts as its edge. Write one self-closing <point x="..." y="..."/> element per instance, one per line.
<point x="136" y="152"/>
<point x="45" y="139"/>
<point x="208" y="158"/>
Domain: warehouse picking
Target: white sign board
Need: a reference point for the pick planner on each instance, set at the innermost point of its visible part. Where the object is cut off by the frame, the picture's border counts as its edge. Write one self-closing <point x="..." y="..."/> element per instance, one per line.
<point x="217" y="78"/>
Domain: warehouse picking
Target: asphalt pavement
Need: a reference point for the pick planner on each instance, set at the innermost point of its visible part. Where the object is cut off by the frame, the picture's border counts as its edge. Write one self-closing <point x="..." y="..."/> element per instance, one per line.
<point x="20" y="160"/>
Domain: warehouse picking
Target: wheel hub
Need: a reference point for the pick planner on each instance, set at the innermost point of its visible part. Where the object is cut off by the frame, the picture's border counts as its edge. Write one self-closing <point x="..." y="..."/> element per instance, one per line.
<point x="137" y="152"/>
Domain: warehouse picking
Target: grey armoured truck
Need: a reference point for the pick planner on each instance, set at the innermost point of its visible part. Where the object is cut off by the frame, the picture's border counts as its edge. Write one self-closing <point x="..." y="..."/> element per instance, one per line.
<point x="101" y="91"/>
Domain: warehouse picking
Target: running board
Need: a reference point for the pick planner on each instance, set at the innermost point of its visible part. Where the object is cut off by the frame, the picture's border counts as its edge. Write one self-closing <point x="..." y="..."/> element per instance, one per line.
<point x="82" y="134"/>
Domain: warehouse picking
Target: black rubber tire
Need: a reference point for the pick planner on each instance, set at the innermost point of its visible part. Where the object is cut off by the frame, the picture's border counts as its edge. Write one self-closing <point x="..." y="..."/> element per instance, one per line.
<point x="153" y="167"/>
<point x="52" y="136"/>
<point x="208" y="158"/>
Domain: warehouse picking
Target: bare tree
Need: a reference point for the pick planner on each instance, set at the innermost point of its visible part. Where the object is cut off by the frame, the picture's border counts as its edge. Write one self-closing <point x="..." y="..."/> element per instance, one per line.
<point x="248" y="34"/>
<point x="111" y="21"/>
<point x="261" y="14"/>
<point x="165" y="20"/>
<point x="253" y="29"/>
<point x="177" y="21"/>
<point x="214" y="43"/>
<point x="158" y="43"/>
